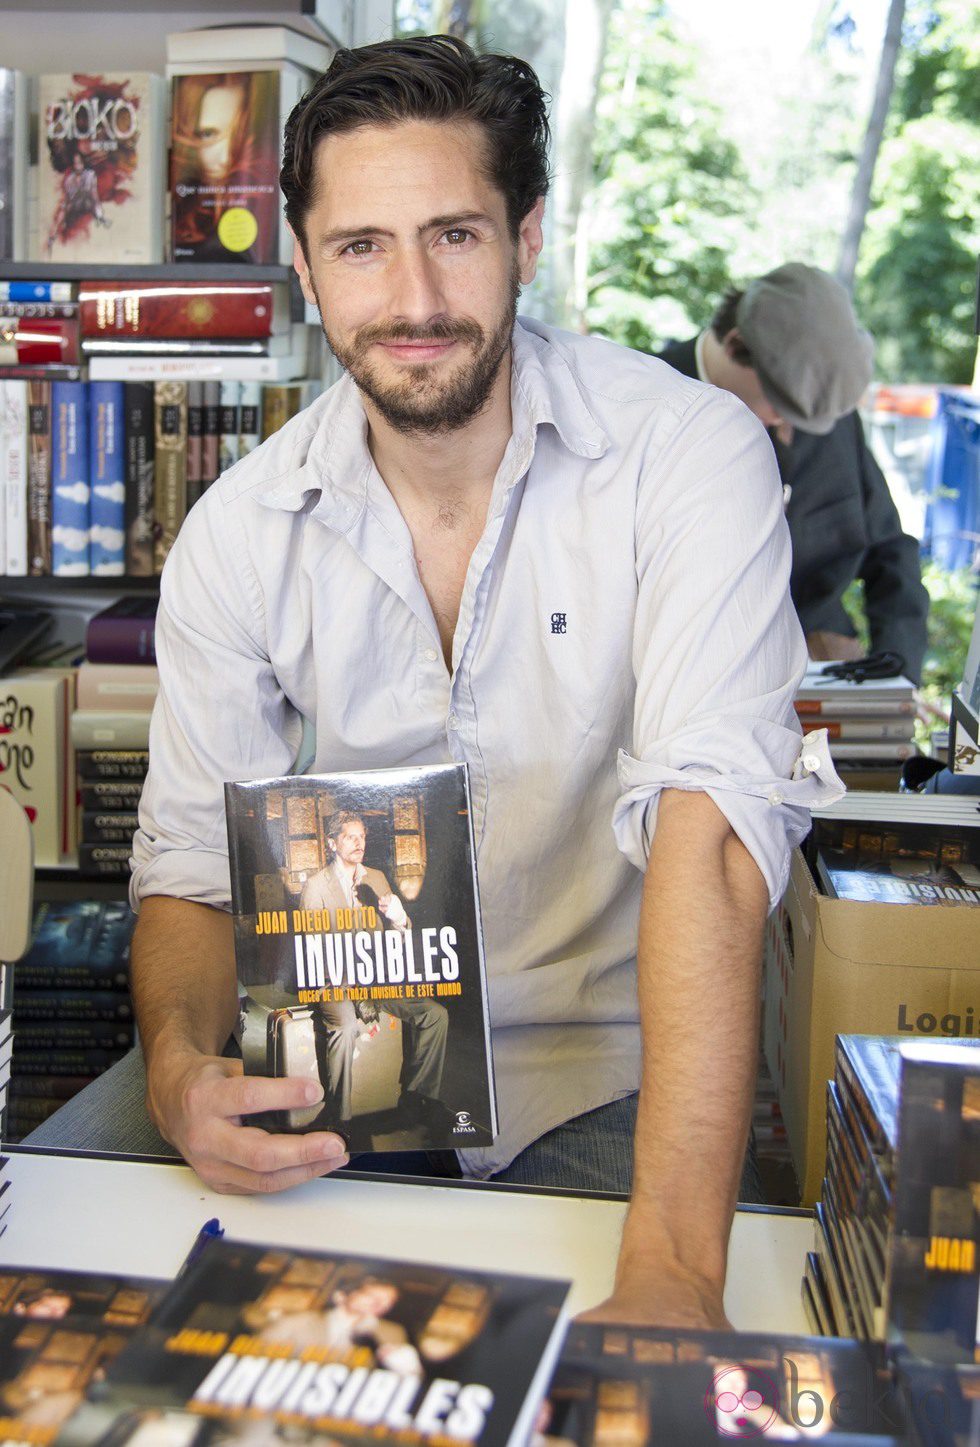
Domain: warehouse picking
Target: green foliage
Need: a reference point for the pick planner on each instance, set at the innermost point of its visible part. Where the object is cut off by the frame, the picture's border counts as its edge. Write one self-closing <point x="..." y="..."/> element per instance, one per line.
<point x="917" y="271"/>
<point x="672" y="198"/>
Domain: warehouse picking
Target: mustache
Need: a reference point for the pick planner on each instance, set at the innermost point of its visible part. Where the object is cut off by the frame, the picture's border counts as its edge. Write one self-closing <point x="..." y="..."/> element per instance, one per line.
<point x="440" y="329"/>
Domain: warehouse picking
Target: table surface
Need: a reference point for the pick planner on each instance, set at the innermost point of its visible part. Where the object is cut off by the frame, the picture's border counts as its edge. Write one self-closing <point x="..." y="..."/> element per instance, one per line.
<point x="82" y="1212"/>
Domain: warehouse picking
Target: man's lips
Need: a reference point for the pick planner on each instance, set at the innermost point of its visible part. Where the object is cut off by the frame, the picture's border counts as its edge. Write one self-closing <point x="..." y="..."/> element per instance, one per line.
<point x="416" y="351"/>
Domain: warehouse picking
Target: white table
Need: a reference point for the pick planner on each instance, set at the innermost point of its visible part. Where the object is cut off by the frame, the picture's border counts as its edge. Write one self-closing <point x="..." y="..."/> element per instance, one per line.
<point x="81" y="1212"/>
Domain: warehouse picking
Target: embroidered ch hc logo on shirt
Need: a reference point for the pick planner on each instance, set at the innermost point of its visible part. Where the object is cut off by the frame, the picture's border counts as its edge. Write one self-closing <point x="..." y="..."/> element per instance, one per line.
<point x="558" y="623"/>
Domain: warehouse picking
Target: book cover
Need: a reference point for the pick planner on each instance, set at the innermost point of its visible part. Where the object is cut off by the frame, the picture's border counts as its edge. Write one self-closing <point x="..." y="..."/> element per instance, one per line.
<point x="894" y="863"/>
<point x="359" y="949"/>
<point x="635" y="1385"/>
<point x="14" y="452"/>
<point x="868" y="1066"/>
<point x="170" y="468"/>
<point x="324" y="1345"/>
<point x="279" y="403"/>
<point x="226" y="133"/>
<point x="112" y="686"/>
<point x="211" y="438"/>
<point x="107" y="470"/>
<point x="140" y="440"/>
<point x="14" y="155"/>
<point x="70" y="491"/>
<point x="195" y="442"/>
<point x="39" y="478"/>
<point x="59" y="1330"/>
<point x="37" y="759"/>
<point x="229" y="416"/>
<point x="78" y="944"/>
<point x="100" y="172"/>
<point x="933" y="1280"/>
<point x="36" y="291"/>
<point x="250" y="406"/>
<point x="123" y="632"/>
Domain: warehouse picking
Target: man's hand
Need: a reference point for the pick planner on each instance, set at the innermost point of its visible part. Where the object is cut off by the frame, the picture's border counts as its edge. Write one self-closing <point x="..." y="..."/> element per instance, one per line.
<point x="199" y="1107"/>
<point x="824" y="647"/>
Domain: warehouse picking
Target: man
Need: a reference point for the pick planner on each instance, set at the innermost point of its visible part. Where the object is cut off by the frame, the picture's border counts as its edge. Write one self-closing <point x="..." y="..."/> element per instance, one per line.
<point x="534" y="552"/>
<point x="346" y="883"/>
<point x="789" y="347"/>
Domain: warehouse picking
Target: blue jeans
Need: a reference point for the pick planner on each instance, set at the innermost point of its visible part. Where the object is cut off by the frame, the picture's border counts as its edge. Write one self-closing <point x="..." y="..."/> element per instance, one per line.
<point x="592" y="1152"/>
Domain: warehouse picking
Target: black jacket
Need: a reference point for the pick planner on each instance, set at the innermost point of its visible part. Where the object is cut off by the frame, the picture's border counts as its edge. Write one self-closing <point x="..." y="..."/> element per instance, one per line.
<point x="844" y="525"/>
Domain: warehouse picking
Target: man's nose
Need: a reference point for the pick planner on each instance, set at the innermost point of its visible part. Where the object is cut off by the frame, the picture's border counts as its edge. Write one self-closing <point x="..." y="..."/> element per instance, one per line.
<point x="416" y="287"/>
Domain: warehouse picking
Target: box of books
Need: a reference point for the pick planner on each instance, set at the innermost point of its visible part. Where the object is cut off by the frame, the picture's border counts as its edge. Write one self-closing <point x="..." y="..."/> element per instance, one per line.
<point x="263" y="1344"/>
<point x="359" y="952"/>
<point x="878" y="933"/>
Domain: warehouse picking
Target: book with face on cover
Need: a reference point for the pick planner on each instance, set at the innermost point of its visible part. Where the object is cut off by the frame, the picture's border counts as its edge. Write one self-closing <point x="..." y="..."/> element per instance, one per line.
<point x="265" y="1344"/>
<point x="360" y="955"/>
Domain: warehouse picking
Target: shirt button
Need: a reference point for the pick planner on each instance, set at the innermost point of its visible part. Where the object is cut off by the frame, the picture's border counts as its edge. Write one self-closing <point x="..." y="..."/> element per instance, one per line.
<point x="430" y="655"/>
<point x="453" y="721"/>
<point x="811" y="762"/>
<point x="775" y="797"/>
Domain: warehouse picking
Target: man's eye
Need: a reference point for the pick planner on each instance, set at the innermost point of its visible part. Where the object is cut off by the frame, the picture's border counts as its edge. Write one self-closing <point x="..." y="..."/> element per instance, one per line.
<point x="360" y="248"/>
<point x="456" y="235"/>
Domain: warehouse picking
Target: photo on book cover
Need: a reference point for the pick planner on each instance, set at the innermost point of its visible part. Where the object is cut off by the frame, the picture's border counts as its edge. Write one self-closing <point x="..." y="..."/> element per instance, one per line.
<point x="359" y="953"/>
<point x="259" y="1344"/>
<point x="897" y="863"/>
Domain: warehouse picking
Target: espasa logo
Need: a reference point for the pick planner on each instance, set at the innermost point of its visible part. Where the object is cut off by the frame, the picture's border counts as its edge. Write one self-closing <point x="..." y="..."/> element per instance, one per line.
<point x="464" y="1124"/>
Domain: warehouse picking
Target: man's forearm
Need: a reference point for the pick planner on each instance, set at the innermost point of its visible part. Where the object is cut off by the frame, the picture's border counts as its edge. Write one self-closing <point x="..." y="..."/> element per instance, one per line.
<point x="183" y="979"/>
<point x="704" y="906"/>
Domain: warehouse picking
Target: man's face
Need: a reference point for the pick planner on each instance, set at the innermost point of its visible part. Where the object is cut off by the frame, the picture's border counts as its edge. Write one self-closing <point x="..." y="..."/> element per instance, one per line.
<point x="414" y="269"/>
<point x="744" y="383"/>
<point x="375" y="1298"/>
<point x="350" y="842"/>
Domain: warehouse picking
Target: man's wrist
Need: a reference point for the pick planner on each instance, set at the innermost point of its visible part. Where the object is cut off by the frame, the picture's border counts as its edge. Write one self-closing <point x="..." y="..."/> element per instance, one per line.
<point x="654" y="1241"/>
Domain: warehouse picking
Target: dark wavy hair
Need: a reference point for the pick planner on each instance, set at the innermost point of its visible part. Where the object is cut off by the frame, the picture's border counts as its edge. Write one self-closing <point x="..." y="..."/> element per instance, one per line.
<point x="725" y="320"/>
<point x="430" y="78"/>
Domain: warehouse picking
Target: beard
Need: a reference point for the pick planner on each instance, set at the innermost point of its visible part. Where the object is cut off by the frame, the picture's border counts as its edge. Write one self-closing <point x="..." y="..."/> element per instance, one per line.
<point x="417" y="401"/>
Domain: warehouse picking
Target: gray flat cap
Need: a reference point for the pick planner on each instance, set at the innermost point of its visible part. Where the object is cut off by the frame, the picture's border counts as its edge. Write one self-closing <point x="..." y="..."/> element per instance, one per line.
<point x="813" y="360"/>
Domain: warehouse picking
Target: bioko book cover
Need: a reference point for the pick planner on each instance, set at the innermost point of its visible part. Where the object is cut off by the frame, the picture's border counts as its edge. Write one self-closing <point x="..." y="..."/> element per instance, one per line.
<point x="360" y="953"/>
<point x="259" y="1343"/>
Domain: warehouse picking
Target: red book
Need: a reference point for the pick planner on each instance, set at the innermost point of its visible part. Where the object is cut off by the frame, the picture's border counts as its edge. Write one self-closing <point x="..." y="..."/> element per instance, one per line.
<point x="183" y="309"/>
<point x="31" y="342"/>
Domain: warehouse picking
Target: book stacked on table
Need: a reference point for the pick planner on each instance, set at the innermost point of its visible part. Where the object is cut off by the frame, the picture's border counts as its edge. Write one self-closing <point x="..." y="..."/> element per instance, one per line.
<point x="117" y="686"/>
<point x="870" y="724"/>
<point x="897" y="1226"/>
<point x="898" y="849"/>
<point x="72" y="1015"/>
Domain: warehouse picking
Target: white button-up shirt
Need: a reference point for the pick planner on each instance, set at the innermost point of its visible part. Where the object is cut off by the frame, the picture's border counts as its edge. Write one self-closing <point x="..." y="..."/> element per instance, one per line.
<point x="625" y="626"/>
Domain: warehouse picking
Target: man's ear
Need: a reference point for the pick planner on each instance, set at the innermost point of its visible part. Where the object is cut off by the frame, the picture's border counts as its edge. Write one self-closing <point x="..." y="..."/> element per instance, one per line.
<point x="302" y="270"/>
<point x="530" y="240"/>
<point x="733" y="344"/>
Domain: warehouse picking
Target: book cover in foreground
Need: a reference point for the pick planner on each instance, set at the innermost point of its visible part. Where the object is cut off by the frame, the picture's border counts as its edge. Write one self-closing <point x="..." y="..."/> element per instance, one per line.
<point x="259" y="1344"/>
<point x="359" y="952"/>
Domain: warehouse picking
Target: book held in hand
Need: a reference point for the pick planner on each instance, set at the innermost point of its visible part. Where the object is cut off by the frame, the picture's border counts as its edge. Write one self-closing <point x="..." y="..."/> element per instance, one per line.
<point x="359" y="952"/>
<point x="267" y="1344"/>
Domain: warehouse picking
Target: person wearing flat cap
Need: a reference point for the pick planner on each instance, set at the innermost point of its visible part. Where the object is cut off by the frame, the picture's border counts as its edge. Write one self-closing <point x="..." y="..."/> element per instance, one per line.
<point x="790" y="348"/>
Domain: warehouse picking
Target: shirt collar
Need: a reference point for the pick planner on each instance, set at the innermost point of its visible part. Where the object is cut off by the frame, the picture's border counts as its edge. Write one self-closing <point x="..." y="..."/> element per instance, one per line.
<point x="699" y="358"/>
<point x="338" y="463"/>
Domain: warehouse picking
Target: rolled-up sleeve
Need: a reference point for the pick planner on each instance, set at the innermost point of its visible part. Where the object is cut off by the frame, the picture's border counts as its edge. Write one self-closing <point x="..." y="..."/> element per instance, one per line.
<point x="220" y="713"/>
<point x="718" y="652"/>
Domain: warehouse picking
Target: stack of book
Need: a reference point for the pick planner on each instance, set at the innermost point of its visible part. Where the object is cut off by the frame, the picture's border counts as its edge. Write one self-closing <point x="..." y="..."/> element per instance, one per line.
<point x="898" y="849"/>
<point x="897" y="1229"/>
<point x="110" y="729"/>
<point x="870" y="724"/>
<point x="98" y="474"/>
<point x="72" y="1014"/>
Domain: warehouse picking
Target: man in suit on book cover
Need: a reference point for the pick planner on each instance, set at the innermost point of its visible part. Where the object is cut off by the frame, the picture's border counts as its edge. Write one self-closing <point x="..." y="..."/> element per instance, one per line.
<point x="345" y="883"/>
<point x="543" y="555"/>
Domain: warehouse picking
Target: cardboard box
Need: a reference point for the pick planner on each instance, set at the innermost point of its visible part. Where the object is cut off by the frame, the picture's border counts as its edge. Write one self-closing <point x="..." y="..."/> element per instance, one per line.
<point x="836" y="967"/>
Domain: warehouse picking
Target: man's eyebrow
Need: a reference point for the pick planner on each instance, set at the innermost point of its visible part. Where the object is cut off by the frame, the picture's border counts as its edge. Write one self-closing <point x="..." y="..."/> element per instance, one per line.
<point x="436" y="223"/>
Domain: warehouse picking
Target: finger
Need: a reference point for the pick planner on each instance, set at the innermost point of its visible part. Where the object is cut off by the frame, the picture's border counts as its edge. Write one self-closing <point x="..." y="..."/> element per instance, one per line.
<point x="263" y="1153"/>
<point x="234" y="1180"/>
<point x="249" y="1094"/>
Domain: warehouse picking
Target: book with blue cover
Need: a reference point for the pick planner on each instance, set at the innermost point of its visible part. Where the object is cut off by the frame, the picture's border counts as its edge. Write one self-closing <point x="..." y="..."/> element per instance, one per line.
<point x="70" y="486"/>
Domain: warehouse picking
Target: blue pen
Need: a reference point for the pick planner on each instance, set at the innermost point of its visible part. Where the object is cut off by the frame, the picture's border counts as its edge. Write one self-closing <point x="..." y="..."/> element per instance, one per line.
<point x="210" y="1231"/>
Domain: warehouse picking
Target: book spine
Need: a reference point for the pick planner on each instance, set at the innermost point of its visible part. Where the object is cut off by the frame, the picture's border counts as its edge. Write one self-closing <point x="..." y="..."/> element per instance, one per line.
<point x="109" y="729"/>
<point x="853" y="708"/>
<point x="57" y="1090"/>
<point x="886" y="750"/>
<point x="69" y="480"/>
<point x="39" y="478"/>
<point x="170" y="490"/>
<point x="65" y="1062"/>
<point x="138" y="406"/>
<point x="38" y="342"/>
<point x="99" y="827"/>
<point x="72" y="1005"/>
<point x="230" y="414"/>
<point x="195" y="442"/>
<point x="248" y="421"/>
<point x="107" y="534"/>
<point x="119" y="639"/>
<point x="47" y="373"/>
<point x="111" y="764"/>
<point x="275" y="407"/>
<point x="40" y="310"/>
<point x="72" y="1035"/>
<point x="35" y="291"/>
<point x="106" y="859"/>
<point x="211" y="441"/>
<point x="113" y="687"/>
<point x="14" y="148"/>
<point x="120" y="795"/>
<point x="196" y="369"/>
<point x="176" y="311"/>
<point x="13" y="420"/>
<point x="901" y="727"/>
